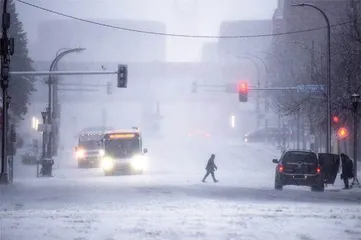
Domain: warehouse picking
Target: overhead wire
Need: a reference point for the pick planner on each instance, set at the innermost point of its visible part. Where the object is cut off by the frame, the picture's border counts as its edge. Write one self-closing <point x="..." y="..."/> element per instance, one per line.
<point x="174" y="34"/>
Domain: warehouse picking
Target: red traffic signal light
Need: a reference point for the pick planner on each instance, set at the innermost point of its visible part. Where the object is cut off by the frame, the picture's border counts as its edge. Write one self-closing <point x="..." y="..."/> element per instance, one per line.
<point x="342" y="133"/>
<point x="335" y="119"/>
<point x="242" y="89"/>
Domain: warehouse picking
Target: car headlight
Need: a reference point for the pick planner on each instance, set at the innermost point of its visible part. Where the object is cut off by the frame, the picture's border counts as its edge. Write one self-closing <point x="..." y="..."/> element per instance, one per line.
<point x="246" y="140"/>
<point x="139" y="162"/>
<point x="107" y="163"/>
<point x="101" y="152"/>
<point x="80" y="153"/>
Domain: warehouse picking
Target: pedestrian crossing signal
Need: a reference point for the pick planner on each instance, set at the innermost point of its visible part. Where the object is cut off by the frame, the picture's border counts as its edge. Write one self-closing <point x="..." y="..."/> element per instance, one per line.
<point x="243" y="91"/>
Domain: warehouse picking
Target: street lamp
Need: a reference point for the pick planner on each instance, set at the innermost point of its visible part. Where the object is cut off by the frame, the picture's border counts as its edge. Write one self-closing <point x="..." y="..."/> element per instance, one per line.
<point x="355" y="98"/>
<point x="44" y="115"/>
<point x="50" y="90"/>
<point x="328" y="135"/>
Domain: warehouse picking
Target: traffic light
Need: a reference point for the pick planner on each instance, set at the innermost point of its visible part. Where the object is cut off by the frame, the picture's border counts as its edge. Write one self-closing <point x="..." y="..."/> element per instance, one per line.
<point x="242" y="91"/>
<point x="109" y="88"/>
<point x="342" y="133"/>
<point x="122" y="76"/>
<point x="335" y="119"/>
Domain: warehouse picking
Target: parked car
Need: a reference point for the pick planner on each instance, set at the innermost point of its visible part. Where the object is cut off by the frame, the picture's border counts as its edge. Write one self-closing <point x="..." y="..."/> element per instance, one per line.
<point x="306" y="168"/>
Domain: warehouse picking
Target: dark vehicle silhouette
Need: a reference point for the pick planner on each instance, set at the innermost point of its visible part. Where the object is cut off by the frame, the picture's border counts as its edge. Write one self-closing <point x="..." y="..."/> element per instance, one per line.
<point x="301" y="168"/>
<point x="267" y="134"/>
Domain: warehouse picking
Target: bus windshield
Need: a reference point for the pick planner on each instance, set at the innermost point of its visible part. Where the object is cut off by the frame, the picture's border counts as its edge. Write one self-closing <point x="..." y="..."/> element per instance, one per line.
<point x="122" y="148"/>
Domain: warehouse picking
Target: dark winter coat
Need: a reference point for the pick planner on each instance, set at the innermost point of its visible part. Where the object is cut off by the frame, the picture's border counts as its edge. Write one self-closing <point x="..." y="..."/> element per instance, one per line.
<point x="211" y="166"/>
<point x="347" y="167"/>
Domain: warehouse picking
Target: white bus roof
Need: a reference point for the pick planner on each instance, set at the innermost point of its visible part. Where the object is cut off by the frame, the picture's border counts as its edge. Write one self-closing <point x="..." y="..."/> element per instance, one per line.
<point x="92" y="133"/>
<point x="122" y="131"/>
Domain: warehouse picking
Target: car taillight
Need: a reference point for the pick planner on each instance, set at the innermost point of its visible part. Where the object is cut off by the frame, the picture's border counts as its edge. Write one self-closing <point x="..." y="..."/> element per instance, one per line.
<point x="318" y="170"/>
<point x="280" y="168"/>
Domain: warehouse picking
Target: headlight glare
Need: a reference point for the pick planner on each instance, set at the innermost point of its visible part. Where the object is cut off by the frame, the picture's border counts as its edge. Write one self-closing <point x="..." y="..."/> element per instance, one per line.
<point x="139" y="162"/>
<point x="107" y="163"/>
<point x="80" y="153"/>
<point x="101" y="152"/>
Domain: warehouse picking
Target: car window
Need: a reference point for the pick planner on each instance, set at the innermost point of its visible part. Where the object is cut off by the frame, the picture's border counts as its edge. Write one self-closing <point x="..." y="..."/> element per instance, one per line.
<point x="298" y="156"/>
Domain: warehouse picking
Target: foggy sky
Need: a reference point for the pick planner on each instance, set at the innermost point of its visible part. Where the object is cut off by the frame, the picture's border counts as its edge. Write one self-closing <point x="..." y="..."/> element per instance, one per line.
<point x="198" y="17"/>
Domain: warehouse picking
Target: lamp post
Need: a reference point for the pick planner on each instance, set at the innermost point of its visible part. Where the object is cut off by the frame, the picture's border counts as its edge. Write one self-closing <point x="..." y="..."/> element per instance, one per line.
<point x="328" y="134"/>
<point x="9" y="144"/>
<point x="355" y="98"/>
<point x="50" y="90"/>
<point x="43" y="153"/>
<point x="7" y="49"/>
<point x="43" y="144"/>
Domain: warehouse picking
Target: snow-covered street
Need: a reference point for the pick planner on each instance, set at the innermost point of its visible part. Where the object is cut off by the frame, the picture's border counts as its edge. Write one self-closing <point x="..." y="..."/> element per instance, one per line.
<point x="170" y="202"/>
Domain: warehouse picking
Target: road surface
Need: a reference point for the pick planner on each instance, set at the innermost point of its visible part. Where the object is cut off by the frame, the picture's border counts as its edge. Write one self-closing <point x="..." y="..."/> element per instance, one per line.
<point x="170" y="202"/>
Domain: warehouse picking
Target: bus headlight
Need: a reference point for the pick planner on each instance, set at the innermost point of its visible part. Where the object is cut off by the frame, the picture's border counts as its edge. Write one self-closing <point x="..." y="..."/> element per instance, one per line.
<point x="139" y="162"/>
<point x="107" y="163"/>
<point x="101" y="152"/>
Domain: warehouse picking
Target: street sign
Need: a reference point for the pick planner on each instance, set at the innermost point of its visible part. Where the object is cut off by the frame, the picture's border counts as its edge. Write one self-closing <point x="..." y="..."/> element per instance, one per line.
<point x="310" y="88"/>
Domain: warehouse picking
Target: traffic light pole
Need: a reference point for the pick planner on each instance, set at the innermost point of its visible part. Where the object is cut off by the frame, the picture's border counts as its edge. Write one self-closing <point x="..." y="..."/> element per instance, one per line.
<point x="62" y="73"/>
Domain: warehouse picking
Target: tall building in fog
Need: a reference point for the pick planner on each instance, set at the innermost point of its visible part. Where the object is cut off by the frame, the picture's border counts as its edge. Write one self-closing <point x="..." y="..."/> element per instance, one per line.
<point x="234" y="47"/>
<point x="185" y="21"/>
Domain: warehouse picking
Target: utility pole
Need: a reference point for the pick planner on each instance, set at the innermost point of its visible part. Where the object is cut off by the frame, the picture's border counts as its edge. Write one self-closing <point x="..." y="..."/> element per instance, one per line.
<point x="7" y="49"/>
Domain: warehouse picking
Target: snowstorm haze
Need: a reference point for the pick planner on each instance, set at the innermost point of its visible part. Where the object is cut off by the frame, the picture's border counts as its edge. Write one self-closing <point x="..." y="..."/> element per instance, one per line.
<point x="198" y="17"/>
<point x="151" y="83"/>
<point x="229" y="109"/>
